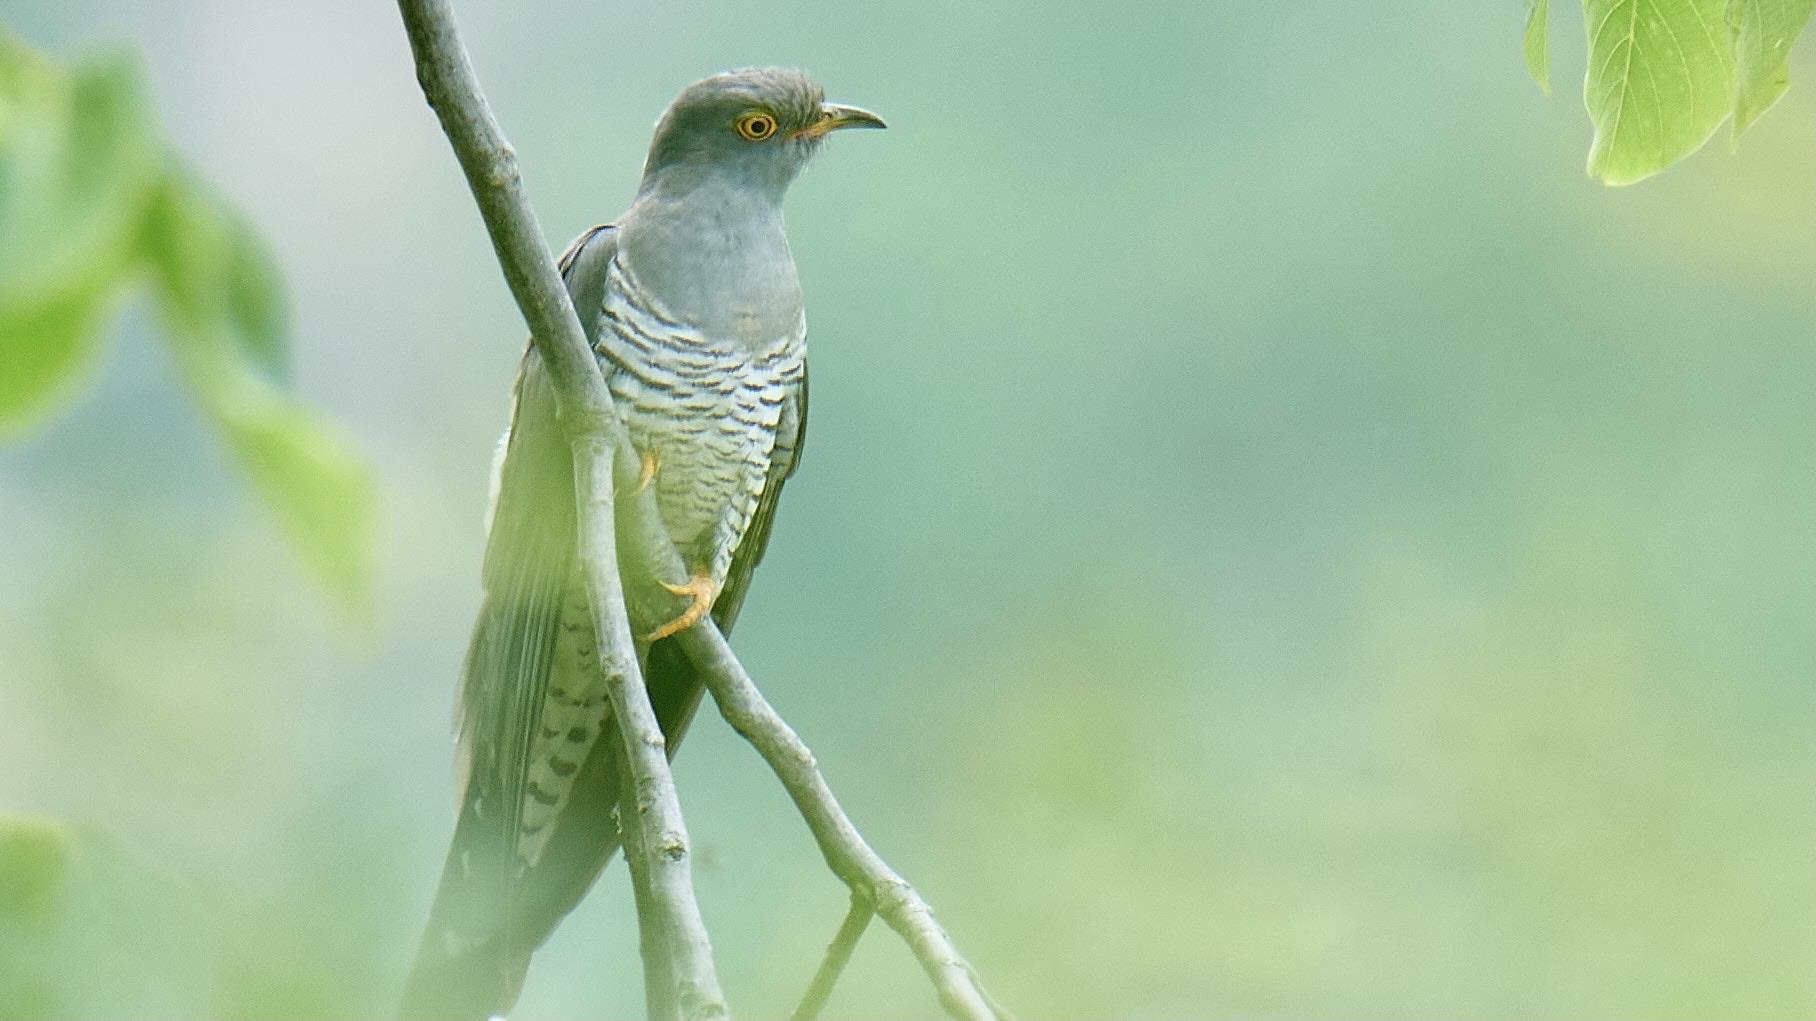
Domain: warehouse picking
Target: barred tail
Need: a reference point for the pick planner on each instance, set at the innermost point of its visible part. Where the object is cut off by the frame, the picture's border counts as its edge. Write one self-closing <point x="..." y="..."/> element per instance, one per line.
<point x="483" y="929"/>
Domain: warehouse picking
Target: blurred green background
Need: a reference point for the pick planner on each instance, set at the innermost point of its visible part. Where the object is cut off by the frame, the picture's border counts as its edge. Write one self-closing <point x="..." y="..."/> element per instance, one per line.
<point x="1276" y="539"/>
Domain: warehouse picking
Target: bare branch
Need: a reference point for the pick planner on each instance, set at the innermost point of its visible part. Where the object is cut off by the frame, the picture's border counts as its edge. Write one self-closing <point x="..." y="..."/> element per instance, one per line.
<point x="849" y="856"/>
<point x="585" y="406"/>
<point x="658" y="977"/>
<point x="838" y="954"/>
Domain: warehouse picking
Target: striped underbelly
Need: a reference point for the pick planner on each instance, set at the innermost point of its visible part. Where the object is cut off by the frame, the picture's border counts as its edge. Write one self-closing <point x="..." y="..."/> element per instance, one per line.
<point x="707" y="406"/>
<point x="714" y="441"/>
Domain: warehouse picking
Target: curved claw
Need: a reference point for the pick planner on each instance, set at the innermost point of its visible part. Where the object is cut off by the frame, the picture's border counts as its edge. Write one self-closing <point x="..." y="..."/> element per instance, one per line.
<point x="702" y="590"/>
<point x="651" y="464"/>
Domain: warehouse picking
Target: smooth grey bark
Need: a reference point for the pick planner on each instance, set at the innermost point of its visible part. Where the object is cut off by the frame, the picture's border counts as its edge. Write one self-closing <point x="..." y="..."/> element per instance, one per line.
<point x="606" y="464"/>
<point x="652" y="947"/>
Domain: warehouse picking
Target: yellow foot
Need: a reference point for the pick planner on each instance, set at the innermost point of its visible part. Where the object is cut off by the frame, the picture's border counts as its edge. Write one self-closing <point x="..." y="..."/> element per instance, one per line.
<point x="702" y="590"/>
<point x="651" y="464"/>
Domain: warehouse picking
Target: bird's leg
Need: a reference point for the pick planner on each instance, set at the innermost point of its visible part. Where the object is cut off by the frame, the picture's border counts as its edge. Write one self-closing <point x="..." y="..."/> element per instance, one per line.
<point x="652" y="463"/>
<point x="701" y="590"/>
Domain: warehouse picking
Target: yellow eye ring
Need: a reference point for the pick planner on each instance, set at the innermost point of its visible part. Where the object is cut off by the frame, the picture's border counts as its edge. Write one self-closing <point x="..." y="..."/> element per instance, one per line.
<point x="755" y="127"/>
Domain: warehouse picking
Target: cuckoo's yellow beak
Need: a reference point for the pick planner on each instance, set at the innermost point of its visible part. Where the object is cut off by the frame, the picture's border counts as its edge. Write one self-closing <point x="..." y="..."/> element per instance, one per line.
<point x="836" y="116"/>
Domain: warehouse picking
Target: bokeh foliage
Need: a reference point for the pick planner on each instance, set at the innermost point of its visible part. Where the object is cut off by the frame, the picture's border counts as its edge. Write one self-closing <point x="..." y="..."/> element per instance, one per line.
<point x="1664" y="74"/>
<point x="91" y="929"/>
<point x="91" y="205"/>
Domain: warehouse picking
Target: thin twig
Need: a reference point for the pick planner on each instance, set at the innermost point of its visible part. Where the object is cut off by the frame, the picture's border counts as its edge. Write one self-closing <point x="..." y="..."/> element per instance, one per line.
<point x="838" y="954"/>
<point x="850" y="857"/>
<point x="847" y="853"/>
<point x="585" y="407"/>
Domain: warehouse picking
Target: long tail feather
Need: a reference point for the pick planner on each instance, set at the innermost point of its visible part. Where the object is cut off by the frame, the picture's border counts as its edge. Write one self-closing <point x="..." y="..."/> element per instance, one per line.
<point x="473" y="958"/>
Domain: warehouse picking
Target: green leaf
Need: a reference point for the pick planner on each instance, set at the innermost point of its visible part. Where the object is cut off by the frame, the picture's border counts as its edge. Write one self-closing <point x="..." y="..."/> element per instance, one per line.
<point x="85" y="199"/>
<point x="256" y="308"/>
<point x="34" y="854"/>
<point x="1763" y="33"/>
<point x="1661" y="80"/>
<point x="78" y="163"/>
<point x="47" y="348"/>
<point x="1538" y="54"/>
<point x="215" y="269"/>
<point x="223" y="311"/>
<point x="311" y="477"/>
<point x="91" y="927"/>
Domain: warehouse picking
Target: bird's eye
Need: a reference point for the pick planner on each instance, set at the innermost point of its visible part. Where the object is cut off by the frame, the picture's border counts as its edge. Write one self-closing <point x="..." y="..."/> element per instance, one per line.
<point x="755" y="127"/>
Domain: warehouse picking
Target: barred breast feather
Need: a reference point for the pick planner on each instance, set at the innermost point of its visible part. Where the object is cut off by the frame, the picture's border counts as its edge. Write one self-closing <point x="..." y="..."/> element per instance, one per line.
<point x="710" y="410"/>
<point x="707" y="407"/>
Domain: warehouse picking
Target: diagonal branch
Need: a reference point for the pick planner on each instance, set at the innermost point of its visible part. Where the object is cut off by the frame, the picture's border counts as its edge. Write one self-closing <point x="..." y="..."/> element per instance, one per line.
<point x="585" y="404"/>
<point x="847" y="853"/>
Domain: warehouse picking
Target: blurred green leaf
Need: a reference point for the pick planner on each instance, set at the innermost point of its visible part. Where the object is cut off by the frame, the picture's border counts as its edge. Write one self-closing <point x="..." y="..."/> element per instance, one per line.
<point x="34" y="865"/>
<point x="77" y="905"/>
<point x="310" y="476"/>
<point x="77" y="166"/>
<point x="256" y="309"/>
<point x="1661" y="80"/>
<point x="33" y="856"/>
<point x="46" y="348"/>
<point x="223" y="310"/>
<point x="1763" y="33"/>
<point x="1538" y="54"/>
<point x="85" y="193"/>
<point x="213" y="269"/>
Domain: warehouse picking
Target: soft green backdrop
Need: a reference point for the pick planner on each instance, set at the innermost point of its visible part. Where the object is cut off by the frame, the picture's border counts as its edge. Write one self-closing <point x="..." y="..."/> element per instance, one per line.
<point x="1276" y="539"/>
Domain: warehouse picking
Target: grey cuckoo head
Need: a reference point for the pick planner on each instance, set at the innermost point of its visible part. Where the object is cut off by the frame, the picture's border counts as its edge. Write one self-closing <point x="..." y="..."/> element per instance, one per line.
<point x="753" y="129"/>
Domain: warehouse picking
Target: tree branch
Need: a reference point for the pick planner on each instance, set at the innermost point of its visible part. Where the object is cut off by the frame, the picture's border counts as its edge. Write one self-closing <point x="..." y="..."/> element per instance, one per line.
<point x="838" y="954"/>
<point x="652" y="946"/>
<point x="585" y="407"/>
<point x="847" y="854"/>
<point x="586" y="412"/>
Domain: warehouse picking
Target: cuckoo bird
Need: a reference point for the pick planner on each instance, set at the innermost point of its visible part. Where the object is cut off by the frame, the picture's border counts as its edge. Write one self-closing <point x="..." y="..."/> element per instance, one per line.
<point x="693" y="308"/>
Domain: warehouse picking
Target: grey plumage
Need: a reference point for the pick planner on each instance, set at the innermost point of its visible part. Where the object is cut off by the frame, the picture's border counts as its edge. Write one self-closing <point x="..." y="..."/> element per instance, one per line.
<point x="692" y="303"/>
